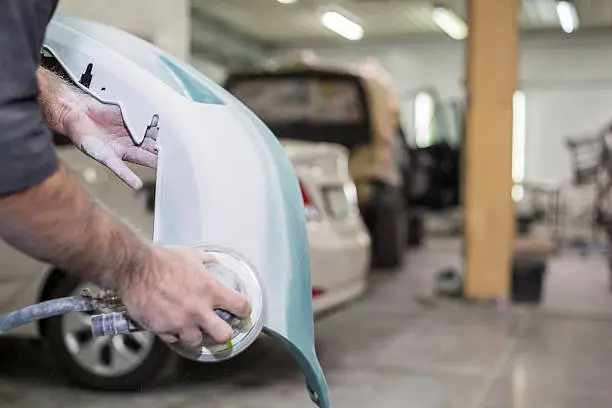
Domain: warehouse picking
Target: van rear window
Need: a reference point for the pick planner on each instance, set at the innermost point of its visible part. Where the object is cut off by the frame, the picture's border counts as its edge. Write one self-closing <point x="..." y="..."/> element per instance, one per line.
<point x="283" y="100"/>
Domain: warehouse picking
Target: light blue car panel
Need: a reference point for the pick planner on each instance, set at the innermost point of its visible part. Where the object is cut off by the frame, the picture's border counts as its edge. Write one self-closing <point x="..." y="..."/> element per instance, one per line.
<point x="222" y="178"/>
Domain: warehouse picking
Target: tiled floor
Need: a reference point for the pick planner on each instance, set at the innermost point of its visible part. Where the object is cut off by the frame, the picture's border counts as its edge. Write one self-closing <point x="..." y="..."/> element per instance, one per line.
<point x="574" y="284"/>
<point x="391" y="350"/>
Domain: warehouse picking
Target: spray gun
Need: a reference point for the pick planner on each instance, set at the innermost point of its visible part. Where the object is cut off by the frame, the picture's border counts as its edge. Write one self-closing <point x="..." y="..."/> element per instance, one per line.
<point x="112" y="318"/>
<point x="234" y="271"/>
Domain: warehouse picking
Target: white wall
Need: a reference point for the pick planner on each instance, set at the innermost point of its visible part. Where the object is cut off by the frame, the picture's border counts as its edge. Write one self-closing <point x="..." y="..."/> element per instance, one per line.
<point x="163" y="22"/>
<point x="567" y="84"/>
<point x="568" y="91"/>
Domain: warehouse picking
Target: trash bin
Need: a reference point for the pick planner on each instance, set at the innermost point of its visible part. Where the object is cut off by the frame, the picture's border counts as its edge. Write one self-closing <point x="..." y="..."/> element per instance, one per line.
<point x="524" y="223"/>
<point x="449" y="283"/>
<point x="527" y="280"/>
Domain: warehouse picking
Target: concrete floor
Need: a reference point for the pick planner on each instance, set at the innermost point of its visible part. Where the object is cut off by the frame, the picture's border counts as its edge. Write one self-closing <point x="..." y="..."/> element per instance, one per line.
<point x="393" y="349"/>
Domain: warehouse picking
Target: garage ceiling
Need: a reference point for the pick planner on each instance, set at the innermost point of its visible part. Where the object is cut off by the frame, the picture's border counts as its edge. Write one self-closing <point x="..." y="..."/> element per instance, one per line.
<point x="284" y="24"/>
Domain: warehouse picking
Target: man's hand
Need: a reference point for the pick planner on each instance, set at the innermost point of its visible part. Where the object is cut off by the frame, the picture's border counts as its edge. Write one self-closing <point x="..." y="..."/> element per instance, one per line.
<point x="175" y="297"/>
<point x="99" y="131"/>
<point x="96" y="128"/>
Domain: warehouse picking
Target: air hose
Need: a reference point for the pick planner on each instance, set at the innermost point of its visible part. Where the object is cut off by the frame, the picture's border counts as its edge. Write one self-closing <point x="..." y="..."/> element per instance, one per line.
<point x="45" y="310"/>
<point x="105" y="324"/>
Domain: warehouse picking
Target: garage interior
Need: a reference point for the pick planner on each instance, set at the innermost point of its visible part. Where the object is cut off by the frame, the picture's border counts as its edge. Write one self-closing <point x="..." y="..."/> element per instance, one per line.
<point x="508" y="83"/>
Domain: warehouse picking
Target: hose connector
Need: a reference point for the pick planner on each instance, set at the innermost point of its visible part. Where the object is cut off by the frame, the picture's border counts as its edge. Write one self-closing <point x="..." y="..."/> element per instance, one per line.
<point x="105" y="299"/>
<point x="113" y="324"/>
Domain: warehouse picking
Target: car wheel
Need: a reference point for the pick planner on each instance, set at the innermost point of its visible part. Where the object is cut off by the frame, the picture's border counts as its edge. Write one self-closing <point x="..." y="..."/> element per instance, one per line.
<point x="125" y="362"/>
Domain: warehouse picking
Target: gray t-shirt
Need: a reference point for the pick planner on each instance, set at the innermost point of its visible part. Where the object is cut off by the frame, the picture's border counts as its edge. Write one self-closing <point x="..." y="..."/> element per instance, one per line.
<point x="27" y="154"/>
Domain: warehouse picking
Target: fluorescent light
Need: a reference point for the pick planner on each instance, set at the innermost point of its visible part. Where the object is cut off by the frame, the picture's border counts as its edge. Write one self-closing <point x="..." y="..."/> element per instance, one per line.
<point x="518" y="192"/>
<point x="450" y="23"/>
<point x="568" y="17"/>
<point x="287" y="1"/>
<point x="518" y="137"/>
<point x="342" y="25"/>
<point x="423" y="116"/>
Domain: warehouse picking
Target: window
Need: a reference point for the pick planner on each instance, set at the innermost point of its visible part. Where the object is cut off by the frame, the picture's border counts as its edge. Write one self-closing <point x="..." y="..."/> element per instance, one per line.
<point x="424" y="113"/>
<point x="281" y="100"/>
<point x="518" y="144"/>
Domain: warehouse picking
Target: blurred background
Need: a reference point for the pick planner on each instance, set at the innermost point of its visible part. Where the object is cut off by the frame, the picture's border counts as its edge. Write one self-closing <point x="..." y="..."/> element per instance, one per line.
<point x="454" y="162"/>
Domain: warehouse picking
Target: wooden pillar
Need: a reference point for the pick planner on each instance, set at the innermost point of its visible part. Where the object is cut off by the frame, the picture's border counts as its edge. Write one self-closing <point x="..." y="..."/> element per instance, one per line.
<point x="492" y="74"/>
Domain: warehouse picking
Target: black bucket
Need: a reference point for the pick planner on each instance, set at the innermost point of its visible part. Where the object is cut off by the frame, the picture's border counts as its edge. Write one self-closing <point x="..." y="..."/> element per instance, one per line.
<point x="527" y="280"/>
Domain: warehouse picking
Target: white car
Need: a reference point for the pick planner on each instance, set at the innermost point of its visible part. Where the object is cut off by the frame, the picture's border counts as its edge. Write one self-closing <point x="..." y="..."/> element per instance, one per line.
<point x="339" y="246"/>
<point x="338" y="239"/>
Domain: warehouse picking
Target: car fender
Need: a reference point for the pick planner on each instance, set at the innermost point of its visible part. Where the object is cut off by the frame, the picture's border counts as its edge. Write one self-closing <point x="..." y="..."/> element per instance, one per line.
<point x="222" y="176"/>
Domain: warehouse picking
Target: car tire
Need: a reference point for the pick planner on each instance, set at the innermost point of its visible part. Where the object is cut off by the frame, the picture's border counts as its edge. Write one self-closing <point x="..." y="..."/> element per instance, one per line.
<point x="416" y="230"/>
<point x="388" y="251"/>
<point x="105" y="366"/>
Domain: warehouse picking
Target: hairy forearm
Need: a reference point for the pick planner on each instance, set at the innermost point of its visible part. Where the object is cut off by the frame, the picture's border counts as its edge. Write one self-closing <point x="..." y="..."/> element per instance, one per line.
<point x="57" y="98"/>
<point x="59" y="223"/>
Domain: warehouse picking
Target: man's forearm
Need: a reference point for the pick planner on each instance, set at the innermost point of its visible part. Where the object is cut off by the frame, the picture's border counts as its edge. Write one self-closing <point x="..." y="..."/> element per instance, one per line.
<point x="59" y="223"/>
<point x="57" y="99"/>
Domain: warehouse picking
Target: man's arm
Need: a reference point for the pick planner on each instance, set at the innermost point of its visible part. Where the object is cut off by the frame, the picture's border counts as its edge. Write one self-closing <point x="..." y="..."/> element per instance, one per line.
<point x="59" y="223"/>
<point x="57" y="98"/>
<point x="43" y="210"/>
<point x="164" y="288"/>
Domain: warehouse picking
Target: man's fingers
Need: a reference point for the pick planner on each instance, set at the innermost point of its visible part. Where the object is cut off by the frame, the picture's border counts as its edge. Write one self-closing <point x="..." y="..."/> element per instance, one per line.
<point x="220" y="331"/>
<point x="206" y="257"/>
<point x="107" y="157"/>
<point x="191" y="337"/>
<point x="149" y="144"/>
<point x="140" y="156"/>
<point x="225" y="297"/>
<point x="232" y="301"/>
<point x="168" y="338"/>
<point x="117" y="166"/>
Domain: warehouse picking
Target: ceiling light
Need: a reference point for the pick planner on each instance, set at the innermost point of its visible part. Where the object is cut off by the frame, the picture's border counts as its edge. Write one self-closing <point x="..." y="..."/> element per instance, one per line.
<point x="568" y="17"/>
<point x="342" y="25"/>
<point x="287" y="1"/>
<point x="450" y="23"/>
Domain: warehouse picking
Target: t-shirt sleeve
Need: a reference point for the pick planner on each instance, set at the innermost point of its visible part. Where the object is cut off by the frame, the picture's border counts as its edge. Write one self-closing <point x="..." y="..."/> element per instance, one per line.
<point x="27" y="154"/>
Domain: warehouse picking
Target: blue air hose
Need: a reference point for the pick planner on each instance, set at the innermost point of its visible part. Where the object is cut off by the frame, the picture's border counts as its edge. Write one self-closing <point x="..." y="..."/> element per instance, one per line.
<point x="45" y="310"/>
